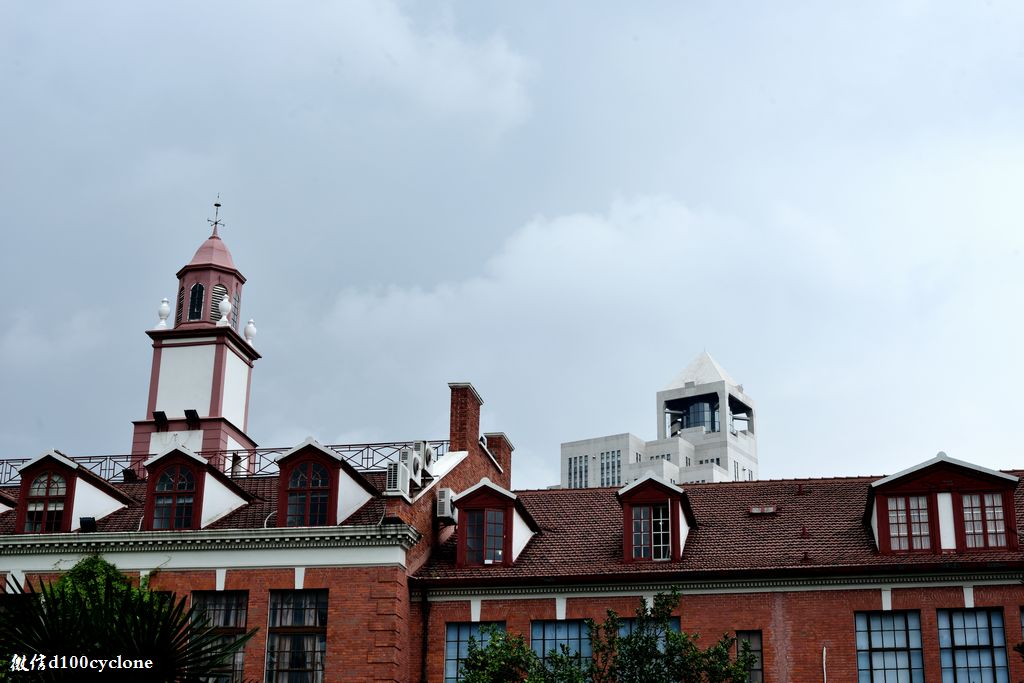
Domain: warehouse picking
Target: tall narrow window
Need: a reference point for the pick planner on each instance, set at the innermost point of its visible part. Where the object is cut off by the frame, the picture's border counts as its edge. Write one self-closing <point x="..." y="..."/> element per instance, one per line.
<point x="195" y="302"/>
<point x="45" y="508"/>
<point x="457" y="638"/>
<point x="753" y="640"/>
<point x="972" y="646"/>
<point x="175" y="498"/>
<point x="908" y="523"/>
<point x="308" y="489"/>
<point x="235" y="306"/>
<point x="889" y="647"/>
<point x="485" y="536"/>
<point x="984" y="522"/>
<point x="652" y="539"/>
<point x="226" y="613"/>
<point x="297" y="636"/>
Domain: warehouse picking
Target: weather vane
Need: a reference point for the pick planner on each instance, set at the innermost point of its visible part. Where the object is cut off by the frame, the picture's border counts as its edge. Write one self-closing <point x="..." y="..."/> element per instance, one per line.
<point x="216" y="221"/>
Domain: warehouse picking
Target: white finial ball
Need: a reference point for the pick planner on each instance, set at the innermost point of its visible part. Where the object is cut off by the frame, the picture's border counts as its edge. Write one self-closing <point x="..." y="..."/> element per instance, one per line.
<point x="164" y="311"/>
<point x="225" y="310"/>
<point x="250" y="331"/>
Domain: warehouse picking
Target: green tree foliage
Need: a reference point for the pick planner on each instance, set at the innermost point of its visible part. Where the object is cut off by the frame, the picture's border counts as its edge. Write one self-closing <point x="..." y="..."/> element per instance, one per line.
<point x="651" y="652"/>
<point x="94" y="611"/>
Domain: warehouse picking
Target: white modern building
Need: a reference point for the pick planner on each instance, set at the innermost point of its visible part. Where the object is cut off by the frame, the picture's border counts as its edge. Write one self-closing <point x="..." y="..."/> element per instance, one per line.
<point x="705" y="434"/>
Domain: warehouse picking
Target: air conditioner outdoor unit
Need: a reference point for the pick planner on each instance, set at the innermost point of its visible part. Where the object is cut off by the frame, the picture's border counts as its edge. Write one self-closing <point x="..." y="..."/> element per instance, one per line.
<point x="413" y="461"/>
<point x="398" y="478"/>
<point x="445" y="509"/>
<point x="426" y="452"/>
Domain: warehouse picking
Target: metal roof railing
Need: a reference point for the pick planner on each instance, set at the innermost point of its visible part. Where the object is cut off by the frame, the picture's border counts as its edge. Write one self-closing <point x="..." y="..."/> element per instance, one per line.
<point x="367" y="457"/>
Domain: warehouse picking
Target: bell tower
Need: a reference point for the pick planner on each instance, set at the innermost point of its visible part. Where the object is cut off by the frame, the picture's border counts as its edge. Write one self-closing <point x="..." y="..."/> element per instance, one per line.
<point x="202" y="367"/>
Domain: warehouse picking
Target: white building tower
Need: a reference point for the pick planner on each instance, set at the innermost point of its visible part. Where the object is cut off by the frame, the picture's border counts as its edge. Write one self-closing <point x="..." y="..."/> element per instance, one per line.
<point x="705" y="433"/>
<point x="202" y="366"/>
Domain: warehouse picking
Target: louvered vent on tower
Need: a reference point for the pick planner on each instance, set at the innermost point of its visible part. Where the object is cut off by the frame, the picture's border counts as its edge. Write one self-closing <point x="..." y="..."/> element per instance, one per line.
<point x="219" y="292"/>
<point x="181" y="303"/>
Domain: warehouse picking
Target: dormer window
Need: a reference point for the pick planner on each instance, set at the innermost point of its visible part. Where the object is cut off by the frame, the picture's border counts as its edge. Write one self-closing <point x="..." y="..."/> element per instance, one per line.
<point x="308" y="494"/>
<point x="656" y="518"/>
<point x="652" y="538"/>
<point x="174" y="503"/>
<point x="46" y="498"/>
<point x="485" y="536"/>
<point x="984" y="520"/>
<point x="943" y="505"/>
<point x="908" y="523"/>
<point x="195" y="302"/>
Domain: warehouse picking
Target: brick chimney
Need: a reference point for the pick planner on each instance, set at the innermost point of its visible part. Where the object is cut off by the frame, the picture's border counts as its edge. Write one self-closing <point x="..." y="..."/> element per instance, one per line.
<point x="465" y="417"/>
<point x="501" y="448"/>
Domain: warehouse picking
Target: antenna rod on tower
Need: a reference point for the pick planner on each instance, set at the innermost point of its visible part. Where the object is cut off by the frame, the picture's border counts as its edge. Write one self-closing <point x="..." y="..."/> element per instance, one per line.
<point x="215" y="222"/>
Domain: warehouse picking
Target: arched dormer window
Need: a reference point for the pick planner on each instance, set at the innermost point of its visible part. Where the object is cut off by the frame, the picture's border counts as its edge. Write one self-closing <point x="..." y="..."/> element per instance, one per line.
<point x="175" y="498"/>
<point x="218" y="293"/>
<point x="308" y="494"/>
<point x="195" y="302"/>
<point x="46" y="501"/>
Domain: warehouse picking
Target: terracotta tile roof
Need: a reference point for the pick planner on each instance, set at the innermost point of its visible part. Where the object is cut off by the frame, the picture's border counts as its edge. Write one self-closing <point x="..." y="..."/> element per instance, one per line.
<point x="818" y="528"/>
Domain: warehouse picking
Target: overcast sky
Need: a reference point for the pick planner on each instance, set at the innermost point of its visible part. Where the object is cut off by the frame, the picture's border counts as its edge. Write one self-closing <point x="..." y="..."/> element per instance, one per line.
<point x="562" y="203"/>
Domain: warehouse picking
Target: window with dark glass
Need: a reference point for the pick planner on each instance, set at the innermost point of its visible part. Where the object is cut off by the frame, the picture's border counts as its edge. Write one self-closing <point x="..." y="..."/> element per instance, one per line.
<point x="984" y="522"/>
<point x="972" y="646"/>
<point x="308" y="489"/>
<point x="174" y="499"/>
<point x="226" y="613"/>
<point x="297" y="636"/>
<point x="889" y="647"/>
<point x="195" y="302"/>
<point x="44" y="510"/>
<point x="908" y="523"/>
<point x="456" y="645"/>
<point x="485" y="536"/>
<point x="651" y="537"/>
<point x="549" y="636"/>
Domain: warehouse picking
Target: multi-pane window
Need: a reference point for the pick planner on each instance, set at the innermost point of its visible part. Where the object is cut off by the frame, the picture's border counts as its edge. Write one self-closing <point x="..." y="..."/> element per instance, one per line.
<point x="972" y="646"/>
<point x="652" y="539"/>
<point x="485" y="536"/>
<point x="456" y="645"/>
<point x="753" y="639"/>
<point x="308" y="489"/>
<point x="297" y="636"/>
<point x="984" y="523"/>
<point x="45" y="505"/>
<point x="908" y="523"/>
<point x="889" y="647"/>
<point x="195" y="302"/>
<point x="549" y="636"/>
<point x="226" y="613"/>
<point x="578" y="471"/>
<point x="175" y="498"/>
<point x="611" y="468"/>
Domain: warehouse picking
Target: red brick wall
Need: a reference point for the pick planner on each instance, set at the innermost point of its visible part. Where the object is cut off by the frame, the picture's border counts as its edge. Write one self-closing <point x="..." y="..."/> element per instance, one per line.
<point x="795" y="625"/>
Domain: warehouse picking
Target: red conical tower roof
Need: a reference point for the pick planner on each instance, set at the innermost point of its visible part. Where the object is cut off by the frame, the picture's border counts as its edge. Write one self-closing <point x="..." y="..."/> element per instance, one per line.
<point x="213" y="252"/>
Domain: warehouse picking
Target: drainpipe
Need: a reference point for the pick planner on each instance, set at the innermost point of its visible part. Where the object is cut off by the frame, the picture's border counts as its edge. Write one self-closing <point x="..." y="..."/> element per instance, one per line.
<point x="824" y="662"/>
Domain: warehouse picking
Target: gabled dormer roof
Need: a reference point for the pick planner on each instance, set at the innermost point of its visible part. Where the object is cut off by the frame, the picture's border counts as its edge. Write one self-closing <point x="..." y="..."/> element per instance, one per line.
<point x="943" y="459"/>
<point x="78" y="471"/>
<point x="203" y="464"/>
<point x="486" y="487"/>
<point x="312" y="444"/>
<point x="702" y="370"/>
<point x="653" y="479"/>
